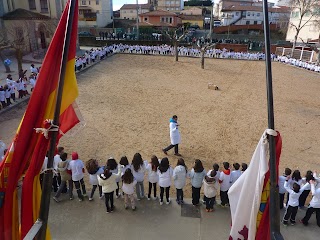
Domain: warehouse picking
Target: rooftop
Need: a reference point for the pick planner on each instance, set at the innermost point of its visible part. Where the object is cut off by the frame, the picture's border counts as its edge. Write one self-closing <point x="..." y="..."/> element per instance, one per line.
<point x="159" y="13"/>
<point x="23" y="14"/>
<point x="134" y="6"/>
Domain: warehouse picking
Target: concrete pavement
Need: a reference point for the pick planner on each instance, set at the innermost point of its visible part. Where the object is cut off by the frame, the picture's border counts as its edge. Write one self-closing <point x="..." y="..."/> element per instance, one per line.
<point x="89" y="220"/>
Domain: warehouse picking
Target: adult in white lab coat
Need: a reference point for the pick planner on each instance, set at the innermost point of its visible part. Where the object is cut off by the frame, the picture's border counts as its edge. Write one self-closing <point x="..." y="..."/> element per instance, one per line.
<point x="174" y="136"/>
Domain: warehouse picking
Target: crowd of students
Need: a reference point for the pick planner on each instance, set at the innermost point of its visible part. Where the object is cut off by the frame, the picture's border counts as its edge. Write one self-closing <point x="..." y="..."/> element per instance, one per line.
<point x="299" y="63"/>
<point x="12" y="87"/>
<point x="126" y="180"/>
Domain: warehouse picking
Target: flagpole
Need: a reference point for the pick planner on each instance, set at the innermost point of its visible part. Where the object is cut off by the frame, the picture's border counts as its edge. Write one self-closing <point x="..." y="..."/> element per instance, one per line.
<point x="274" y="209"/>
<point x="47" y="179"/>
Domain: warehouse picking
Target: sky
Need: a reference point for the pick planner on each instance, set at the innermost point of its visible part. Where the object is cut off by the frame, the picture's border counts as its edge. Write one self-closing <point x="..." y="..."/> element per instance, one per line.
<point x="117" y="4"/>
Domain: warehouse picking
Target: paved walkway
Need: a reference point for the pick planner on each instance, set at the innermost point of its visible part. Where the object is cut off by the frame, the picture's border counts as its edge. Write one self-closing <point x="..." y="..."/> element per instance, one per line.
<point x="89" y="220"/>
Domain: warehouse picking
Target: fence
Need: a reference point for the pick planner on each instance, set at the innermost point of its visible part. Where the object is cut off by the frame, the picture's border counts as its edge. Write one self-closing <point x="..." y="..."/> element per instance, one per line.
<point x="301" y="54"/>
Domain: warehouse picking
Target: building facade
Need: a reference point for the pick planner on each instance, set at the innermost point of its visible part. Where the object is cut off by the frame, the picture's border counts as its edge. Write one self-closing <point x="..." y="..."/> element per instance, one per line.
<point x="170" y="5"/>
<point x="310" y="31"/>
<point x="249" y="12"/>
<point x="160" y="18"/>
<point x="129" y="11"/>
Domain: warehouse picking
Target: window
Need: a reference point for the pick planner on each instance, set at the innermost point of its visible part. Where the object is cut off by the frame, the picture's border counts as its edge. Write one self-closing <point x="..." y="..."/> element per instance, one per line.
<point x="32" y="5"/>
<point x="255" y="22"/>
<point x="167" y="2"/>
<point x="177" y="9"/>
<point x="253" y="14"/>
<point x="97" y="2"/>
<point x="89" y="2"/>
<point x="237" y="13"/>
<point x="248" y="14"/>
<point x="146" y="19"/>
<point x="258" y="14"/>
<point x="172" y="9"/>
<point x="44" y="6"/>
<point x="83" y="2"/>
<point x="170" y="20"/>
<point x="247" y="22"/>
<point x="162" y="19"/>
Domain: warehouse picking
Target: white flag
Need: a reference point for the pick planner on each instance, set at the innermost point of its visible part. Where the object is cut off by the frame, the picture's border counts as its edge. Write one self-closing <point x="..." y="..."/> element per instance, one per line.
<point x="245" y="193"/>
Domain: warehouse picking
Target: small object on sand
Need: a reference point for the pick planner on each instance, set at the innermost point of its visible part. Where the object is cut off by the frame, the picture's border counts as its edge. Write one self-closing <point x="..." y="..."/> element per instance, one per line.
<point x="212" y="86"/>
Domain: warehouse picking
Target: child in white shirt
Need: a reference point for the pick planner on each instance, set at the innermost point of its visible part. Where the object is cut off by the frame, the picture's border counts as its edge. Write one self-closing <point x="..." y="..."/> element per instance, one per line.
<point x="179" y="177"/>
<point x="210" y="185"/>
<point x="235" y="174"/>
<point x="128" y="184"/>
<point x="138" y="170"/>
<point x="282" y="190"/>
<point x="94" y="170"/>
<point x="224" y="181"/>
<point x="153" y="177"/>
<point x="77" y="168"/>
<point x="112" y="165"/>
<point x="165" y="173"/>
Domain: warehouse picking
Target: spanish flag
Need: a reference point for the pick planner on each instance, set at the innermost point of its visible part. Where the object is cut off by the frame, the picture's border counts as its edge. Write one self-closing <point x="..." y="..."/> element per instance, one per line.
<point x="27" y="151"/>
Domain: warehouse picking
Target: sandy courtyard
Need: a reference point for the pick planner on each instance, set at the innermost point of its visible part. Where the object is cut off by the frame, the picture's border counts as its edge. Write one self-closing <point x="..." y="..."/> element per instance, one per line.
<point x="127" y="101"/>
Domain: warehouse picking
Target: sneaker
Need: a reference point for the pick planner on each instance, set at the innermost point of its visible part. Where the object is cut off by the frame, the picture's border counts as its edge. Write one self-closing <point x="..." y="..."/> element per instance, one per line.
<point x="134" y="208"/>
<point x="164" y="151"/>
<point x="293" y="223"/>
<point x="138" y="199"/>
<point x="80" y="199"/>
<point x="284" y="224"/>
<point x="117" y="196"/>
<point x="149" y="199"/>
<point x="301" y="221"/>
<point x="212" y="210"/>
<point x="71" y="198"/>
<point x="161" y="203"/>
<point x="168" y="202"/>
<point x="101" y="197"/>
<point x="107" y="211"/>
<point x="154" y="198"/>
<point x="56" y="199"/>
<point x="207" y="210"/>
<point x="178" y="201"/>
<point x="84" y="195"/>
<point x="203" y="202"/>
<point x="90" y="199"/>
<point x="181" y="202"/>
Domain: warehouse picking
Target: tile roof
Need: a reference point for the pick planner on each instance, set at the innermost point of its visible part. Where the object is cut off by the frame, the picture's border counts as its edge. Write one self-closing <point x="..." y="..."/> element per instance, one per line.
<point x="255" y="9"/>
<point x="23" y="14"/>
<point x="134" y="6"/>
<point x="159" y="13"/>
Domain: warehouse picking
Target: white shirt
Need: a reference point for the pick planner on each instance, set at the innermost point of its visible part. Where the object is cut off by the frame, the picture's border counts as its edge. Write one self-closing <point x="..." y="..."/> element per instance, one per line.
<point x="281" y="181"/>
<point x="129" y="188"/>
<point x="152" y="175"/>
<point x="224" y="181"/>
<point x="165" y="177"/>
<point x="174" y="133"/>
<point x="234" y="175"/>
<point x="139" y="175"/>
<point x="315" y="201"/>
<point x="210" y="189"/>
<point x="76" y="167"/>
<point x="93" y="177"/>
<point x="293" y="196"/>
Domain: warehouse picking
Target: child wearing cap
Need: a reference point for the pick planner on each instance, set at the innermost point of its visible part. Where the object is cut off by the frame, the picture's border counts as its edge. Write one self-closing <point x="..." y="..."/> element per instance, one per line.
<point x="77" y="168"/>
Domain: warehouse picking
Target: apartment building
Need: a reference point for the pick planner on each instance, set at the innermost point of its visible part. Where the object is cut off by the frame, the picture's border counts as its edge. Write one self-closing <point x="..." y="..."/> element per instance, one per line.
<point x="170" y="5"/>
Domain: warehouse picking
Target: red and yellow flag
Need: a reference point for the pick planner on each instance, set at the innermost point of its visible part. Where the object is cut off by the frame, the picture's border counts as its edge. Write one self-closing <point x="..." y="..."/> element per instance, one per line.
<point x="28" y="149"/>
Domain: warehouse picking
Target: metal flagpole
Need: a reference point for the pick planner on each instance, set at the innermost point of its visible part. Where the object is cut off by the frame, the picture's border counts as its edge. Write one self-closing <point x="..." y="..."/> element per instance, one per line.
<point x="274" y="210"/>
<point x="47" y="180"/>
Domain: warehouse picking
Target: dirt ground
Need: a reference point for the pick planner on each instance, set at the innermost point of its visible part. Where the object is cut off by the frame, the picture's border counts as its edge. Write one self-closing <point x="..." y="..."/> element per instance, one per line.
<point x="127" y="101"/>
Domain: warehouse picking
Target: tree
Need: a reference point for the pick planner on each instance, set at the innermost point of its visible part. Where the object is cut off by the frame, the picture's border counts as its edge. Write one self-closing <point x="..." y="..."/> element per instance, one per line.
<point x="203" y="48"/>
<point x="17" y="36"/>
<point x="304" y="10"/>
<point x="175" y="39"/>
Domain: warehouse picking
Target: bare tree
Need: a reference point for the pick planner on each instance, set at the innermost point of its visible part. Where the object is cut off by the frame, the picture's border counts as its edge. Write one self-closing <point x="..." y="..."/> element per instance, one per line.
<point x="17" y="37"/>
<point x="175" y="39"/>
<point x="203" y="48"/>
<point x="305" y="10"/>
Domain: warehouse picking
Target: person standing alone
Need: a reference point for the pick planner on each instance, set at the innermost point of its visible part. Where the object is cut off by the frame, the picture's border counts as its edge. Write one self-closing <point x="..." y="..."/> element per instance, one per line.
<point x="174" y="136"/>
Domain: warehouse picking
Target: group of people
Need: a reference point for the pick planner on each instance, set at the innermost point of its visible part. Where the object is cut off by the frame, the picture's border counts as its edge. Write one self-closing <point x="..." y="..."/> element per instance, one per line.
<point x="297" y="189"/>
<point x="126" y="180"/>
<point x="299" y="63"/>
<point x="12" y="87"/>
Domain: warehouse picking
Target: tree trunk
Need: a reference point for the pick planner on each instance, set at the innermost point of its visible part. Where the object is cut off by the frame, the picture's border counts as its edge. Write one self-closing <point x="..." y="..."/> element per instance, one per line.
<point x="202" y="59"/>
<point x="176" y="50"/>
<point x="19" y="59"/>
<point x="8" y="70"/>
<point x="294" y="44"/>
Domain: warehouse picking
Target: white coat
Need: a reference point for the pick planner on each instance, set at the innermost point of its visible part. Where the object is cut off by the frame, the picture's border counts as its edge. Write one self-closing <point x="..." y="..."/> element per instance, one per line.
<point x="174" y="133"/>
<point x="179" y="176"/>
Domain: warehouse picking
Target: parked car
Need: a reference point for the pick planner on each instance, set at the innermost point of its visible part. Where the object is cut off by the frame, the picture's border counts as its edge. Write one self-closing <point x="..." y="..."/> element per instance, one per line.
<point x="85" y="34"/>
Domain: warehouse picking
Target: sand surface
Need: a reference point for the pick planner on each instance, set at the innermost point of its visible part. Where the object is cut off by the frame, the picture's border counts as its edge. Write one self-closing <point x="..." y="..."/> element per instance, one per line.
<point x="127" y="101"/>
